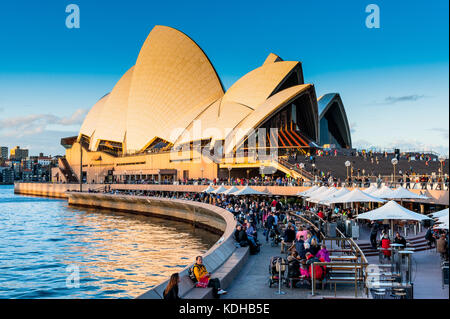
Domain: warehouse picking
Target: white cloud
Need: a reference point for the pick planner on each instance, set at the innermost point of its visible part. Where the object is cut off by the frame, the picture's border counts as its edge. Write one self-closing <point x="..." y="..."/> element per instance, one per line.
<point x="443" y="131"/>
<point x="37" y="123"/>
<point x="353" y="126"/>
<point x="403" y="145"/>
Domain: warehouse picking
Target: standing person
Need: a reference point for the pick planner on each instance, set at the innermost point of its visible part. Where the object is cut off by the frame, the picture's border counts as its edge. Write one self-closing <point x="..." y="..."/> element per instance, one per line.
<point x="386" y="244"/>
<point x="429" y="237"/>
<point x="204" y="278"/>
<point x="270" y="221"/>
<point x="442" y="247"/>
<point x="171" y="291"/>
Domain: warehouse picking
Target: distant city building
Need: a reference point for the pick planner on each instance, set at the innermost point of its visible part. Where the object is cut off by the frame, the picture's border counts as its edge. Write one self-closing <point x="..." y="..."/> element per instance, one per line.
<point x="6" y="175"/>
<point x="4" y="152"/>
<point x="18" y="153"/>
<point x="44" y="160"/>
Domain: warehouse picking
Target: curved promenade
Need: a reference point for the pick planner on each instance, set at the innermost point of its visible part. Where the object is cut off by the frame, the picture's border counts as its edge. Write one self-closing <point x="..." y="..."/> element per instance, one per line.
<point x="223" y="259"/>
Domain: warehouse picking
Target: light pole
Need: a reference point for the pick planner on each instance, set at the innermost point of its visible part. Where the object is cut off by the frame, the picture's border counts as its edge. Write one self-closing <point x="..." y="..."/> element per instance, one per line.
<point x="441" y="173"/>
<point x="347" y="164"/>
<point x="394" y="162"/>
<point x="262" y="173"/>
<point x="314" y="171"/>
<point x="441" y="160"/>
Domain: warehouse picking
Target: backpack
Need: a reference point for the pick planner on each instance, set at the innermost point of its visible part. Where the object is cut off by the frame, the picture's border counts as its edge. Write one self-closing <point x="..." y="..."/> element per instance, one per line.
<point x="191" y="273"/>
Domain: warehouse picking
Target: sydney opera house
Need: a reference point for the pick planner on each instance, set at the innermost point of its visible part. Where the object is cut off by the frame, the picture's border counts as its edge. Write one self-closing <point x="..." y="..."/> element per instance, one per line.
<point x="169" y="117"/>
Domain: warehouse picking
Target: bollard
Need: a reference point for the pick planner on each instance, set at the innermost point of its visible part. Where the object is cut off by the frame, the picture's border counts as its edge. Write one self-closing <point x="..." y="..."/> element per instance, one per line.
<point x="279" y="278"/>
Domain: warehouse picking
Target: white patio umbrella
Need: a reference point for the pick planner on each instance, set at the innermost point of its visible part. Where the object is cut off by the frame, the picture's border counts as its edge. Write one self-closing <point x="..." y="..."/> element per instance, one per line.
<point x="208" y="190"/>
<point x="323" y="195"/>
<point x="370" y="190"/>
<point x="339" y="193"/>
<point x="308" y="191"/>
<point x="392" y="211"/>
<point x="230" y="190"/>
<point x="443" y="222"/>
<point x="356" y="196"/>
<point x="402" y="193"/>
<point x="220" y="190"/>
<point x="247" y="190"/>
<point x="440" y="213"/>
<point x="383" y="192"/>
<point x="317" y="191"/>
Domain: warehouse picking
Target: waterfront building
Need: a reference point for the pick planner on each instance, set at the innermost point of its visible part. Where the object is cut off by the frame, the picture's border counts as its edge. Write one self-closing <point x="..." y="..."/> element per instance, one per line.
<point x="18" y="153"/>
<point x="6" y="175"/>
<point x="4" y="152"/>
<point x="169" y="117"/>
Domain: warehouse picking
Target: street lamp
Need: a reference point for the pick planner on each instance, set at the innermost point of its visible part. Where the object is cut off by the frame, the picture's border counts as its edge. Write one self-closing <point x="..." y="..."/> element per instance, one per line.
<point x="347" y="164"/>
<point x="314" y="170"/>
<point x="441" y="173"/>
<point x="394" y="162"/>
<point x="442" y="160"/>
<point x="302" y="166"/>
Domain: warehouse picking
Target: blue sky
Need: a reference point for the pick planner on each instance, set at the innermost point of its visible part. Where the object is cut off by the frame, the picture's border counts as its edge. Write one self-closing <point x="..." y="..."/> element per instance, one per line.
<point x="393" y="80"/>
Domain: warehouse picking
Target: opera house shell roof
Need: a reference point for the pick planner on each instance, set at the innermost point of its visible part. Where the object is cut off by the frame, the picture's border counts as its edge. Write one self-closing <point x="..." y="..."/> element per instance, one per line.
<point x="173" y="86"/>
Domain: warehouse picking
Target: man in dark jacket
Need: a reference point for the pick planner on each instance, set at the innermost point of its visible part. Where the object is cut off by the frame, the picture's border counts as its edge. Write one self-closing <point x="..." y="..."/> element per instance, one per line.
<point x="429" y="237"/>
<point x="399" y="239"/>
<point x="241" y="236"/>
<point x="289" y="237"/>
<point x="300" y="247"/>
<point x="373" y="234"/>
<point x="270" y="222"/>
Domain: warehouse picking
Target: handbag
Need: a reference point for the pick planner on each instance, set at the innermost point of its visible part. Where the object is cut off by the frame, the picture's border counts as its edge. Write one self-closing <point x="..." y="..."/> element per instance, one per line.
<point x="203" y="282"/>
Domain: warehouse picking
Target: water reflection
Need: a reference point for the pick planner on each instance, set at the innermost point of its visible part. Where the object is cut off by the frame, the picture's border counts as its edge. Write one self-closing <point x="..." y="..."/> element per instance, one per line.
<point x="119" y="255"/>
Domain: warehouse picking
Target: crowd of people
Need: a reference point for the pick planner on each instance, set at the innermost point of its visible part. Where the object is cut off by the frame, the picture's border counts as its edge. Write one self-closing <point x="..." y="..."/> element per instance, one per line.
<point x="300" y="240"/>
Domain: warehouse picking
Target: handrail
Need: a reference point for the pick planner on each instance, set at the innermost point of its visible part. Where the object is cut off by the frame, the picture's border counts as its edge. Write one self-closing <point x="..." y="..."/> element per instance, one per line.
<point x="342" y="238"/>
<point x="308" y="222"/>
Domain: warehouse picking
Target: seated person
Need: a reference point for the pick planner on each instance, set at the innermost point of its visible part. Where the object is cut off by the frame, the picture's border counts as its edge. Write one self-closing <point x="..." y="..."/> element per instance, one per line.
<point x="289" y="237"/>
<point x="204" y="278"/>
<point x="299" y="247"/>
<point x="304" y="269"/>
<point x="293" y="265"/>
<point x="399" y="239"/>
<point x="251" y="232"/>
<point x="240" y="235"/>
<point x="318" y="270"/>
<point x="323" y="254"/>
<point x="314" y="246"/>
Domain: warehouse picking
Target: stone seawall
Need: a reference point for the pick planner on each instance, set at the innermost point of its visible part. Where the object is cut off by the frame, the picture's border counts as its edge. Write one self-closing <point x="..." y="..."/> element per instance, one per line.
<point x="199" y="214"/>
<point x="59" y="190"/>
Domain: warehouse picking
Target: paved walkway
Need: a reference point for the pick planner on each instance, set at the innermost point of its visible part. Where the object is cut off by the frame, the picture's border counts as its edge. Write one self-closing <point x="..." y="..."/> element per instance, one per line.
<point x="253" y="280"/>
<point x="427" y="276"/>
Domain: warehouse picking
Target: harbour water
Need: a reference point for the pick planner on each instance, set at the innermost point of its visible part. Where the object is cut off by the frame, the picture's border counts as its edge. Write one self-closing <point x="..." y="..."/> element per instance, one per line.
<point x="51" y="250"/>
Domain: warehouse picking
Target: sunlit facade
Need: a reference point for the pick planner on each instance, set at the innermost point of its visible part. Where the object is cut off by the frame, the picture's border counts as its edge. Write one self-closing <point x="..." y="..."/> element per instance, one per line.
<point x="169" y="117"/>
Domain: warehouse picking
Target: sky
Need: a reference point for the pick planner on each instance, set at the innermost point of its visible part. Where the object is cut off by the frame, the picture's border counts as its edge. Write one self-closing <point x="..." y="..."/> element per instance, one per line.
<point x="393" y="80"/>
